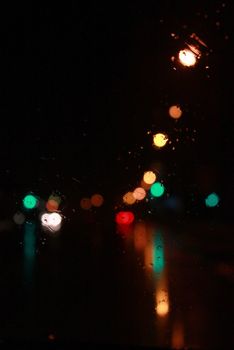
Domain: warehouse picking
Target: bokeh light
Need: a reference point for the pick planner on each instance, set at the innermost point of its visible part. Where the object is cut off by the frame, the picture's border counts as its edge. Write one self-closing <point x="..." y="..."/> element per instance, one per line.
<point x="129" y="198"/>
<point x="54" y="219"/>
<point x="175" y="112"/>
<point x="157" y="189"/>
<point x="149" y="177"/>
<point x="212" y="200"/>
<point x="97" y="200"/>
<point x="139" y="193"/>
<point x="160" y="140"/>
<point x="187" y="58"/>
<point x="45" y="219"/>
<point x="85" y="203"/>
<point x="52" y="205"/>
<point x="30" y="201"/>
<point x="19" y="218"/>
<point x="124" y="217"/>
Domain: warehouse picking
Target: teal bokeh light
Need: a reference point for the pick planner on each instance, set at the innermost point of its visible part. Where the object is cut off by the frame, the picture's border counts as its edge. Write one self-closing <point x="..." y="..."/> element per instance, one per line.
<point x="212" y="200"/>
<point x="157" y="189"/>
<point x="30" y="201"/>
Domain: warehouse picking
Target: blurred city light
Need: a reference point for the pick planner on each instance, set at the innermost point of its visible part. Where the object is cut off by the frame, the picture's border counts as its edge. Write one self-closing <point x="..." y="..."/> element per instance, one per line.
<point x="187" y="58"/>
<point x="129" y="198"/>
<point x="97" y="200"/>
<point x="149" y="177"/>
<point x="30" y="201"/>
<point x="52" y="205"/>
<point x="212" y="200"/>
<point x="124" y="217"/>
<point x="19" y="218"/>
<point x="175" y="112"/>
<point x="85" y="203"/>
<point x="157" y="189"/>
<point x="160" y="140"/>
<point x="139" y="193"/>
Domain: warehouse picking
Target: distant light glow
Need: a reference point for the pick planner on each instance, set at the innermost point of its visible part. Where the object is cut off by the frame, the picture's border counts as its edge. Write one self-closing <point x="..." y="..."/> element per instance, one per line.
<point x="124" y="217"/>
<point x="139" y="193"/>
<point x="30" y="201"/>
<point x="19" y="218"/>
<point x="85" y="203"/>
<point x="97" y="200"/>
<point x="212" y="200"/>
<point x="52" y="205"/>
<point x="44" y="219"/>
<point x="54" y="219"/>
<point x="175" y="112"/>
<point x="160" y="140"/>
<point x="129" y="198"/>
<point x="149" y="177"/>
<point x="51" y="221"/>
<point x="157" y="189"/>
<point x="187" y="58"/>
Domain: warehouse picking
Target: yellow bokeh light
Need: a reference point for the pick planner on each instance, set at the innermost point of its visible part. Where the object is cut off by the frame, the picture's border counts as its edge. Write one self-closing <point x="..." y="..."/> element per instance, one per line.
<point x="160" y="140"/>
<point x="187" y="58"/>
<point x="139" y="193"/>
<point x="162" y="303"/>
<point x="149" y="177"/>
<point x="128" y="198"/>
<point x="162" y="308"/>
<point x="175" y="112"/>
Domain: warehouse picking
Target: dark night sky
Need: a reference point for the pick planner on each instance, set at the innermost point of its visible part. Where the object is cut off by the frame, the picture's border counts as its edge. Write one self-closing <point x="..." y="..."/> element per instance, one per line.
<point x="81" y="86"/>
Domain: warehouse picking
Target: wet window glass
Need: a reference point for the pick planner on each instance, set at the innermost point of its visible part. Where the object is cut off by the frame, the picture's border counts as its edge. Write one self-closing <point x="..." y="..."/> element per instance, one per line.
<point x="116" y="174"/>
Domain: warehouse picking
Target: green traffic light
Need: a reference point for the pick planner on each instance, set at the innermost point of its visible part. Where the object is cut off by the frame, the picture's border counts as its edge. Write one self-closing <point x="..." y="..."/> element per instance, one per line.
<point x="30" y="201"/>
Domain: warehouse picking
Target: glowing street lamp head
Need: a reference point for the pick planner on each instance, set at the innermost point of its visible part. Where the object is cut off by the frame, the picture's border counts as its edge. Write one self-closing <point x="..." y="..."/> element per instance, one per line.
<point x="187" y="58"/>
<point x="30" y="201"/>
<point x="160" y="140"/>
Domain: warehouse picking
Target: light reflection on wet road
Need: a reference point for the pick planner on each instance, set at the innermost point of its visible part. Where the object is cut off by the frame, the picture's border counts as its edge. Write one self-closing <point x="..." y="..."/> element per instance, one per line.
<point x="143" y="284"/>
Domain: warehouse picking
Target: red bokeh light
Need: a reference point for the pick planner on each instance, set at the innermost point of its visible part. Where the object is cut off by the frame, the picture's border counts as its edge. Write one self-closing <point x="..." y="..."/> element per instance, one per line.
<point x="124" y="218"/>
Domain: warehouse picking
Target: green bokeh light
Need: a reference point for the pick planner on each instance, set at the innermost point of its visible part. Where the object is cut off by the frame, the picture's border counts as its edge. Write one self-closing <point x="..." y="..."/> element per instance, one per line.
<point x="30" y="201"/>
<point x="212" y="200"/>
<point x="157" y="189"/>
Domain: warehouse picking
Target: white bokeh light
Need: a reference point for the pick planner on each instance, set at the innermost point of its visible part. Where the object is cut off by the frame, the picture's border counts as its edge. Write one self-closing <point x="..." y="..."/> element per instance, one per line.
<point x="54" y="219"/>
<point x="187" y="58"/>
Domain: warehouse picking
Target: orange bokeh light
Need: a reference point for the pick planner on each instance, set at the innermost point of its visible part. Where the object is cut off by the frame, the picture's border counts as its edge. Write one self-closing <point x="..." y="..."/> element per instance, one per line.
<point x="85" y="203"/>
<point x="139" y="193"/>
<point x="175" y="112"/>
<point x="97" y="200"/>
<point x="52" y="205"/>
<point x="128" y="198"/>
